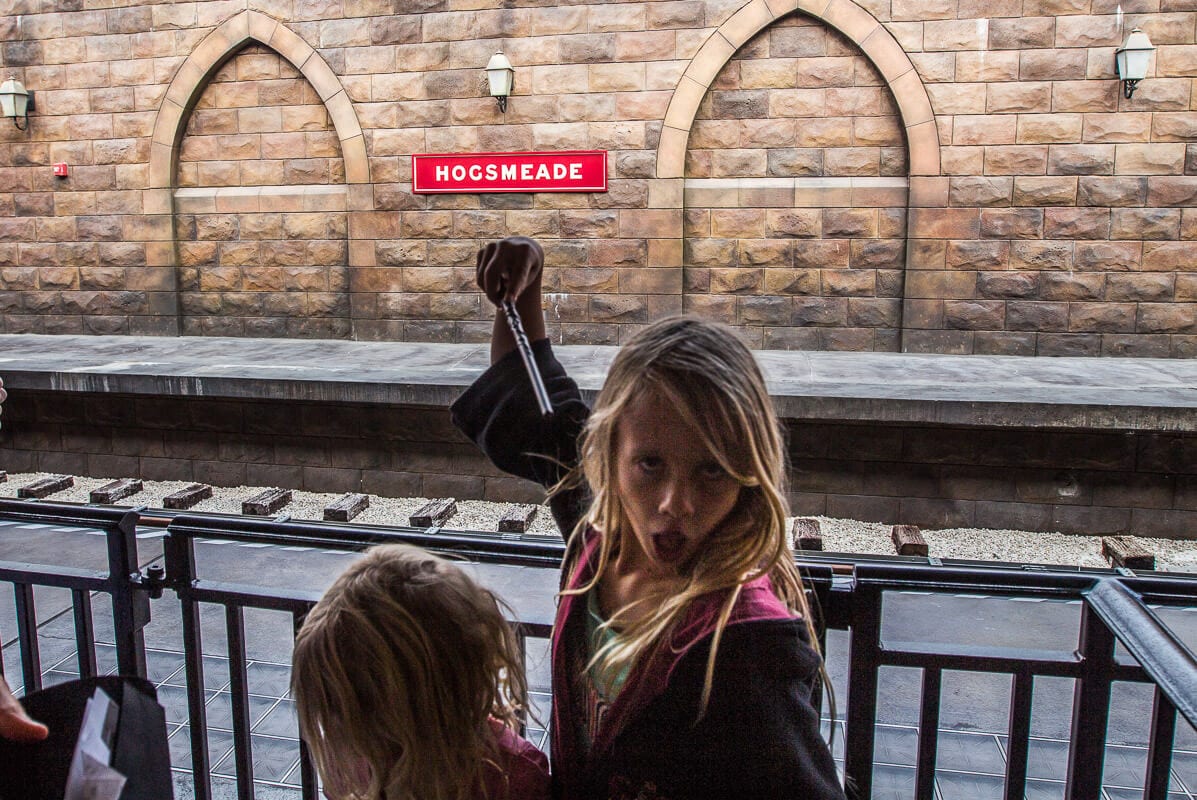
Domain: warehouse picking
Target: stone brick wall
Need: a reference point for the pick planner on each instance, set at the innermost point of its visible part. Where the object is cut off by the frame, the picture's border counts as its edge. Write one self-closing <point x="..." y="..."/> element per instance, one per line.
<point x="260" y="217"/>
<point x="922" y="175"/>
<point x="1063" y="229"/>
<point x="942" y="477"/>
<point x="796" y="195"/>
<point x="394" y="452"/>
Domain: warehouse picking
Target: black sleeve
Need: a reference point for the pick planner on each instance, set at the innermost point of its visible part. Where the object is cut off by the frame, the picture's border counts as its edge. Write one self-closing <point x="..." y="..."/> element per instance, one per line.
<point x="499" y="413"/>
<point x="760" y="735"/>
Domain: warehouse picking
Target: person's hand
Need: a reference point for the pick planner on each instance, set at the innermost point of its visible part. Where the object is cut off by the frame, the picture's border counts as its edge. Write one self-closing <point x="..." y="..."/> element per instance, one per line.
<point x="15" y="724"/>
<point x="507" y="268"/>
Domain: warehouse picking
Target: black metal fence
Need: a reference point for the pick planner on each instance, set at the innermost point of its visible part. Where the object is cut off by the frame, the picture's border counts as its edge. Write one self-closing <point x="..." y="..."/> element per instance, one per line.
<point x="1116" y="608"/>
<point x="122" y="581"/>
<point x="182" y="577"/>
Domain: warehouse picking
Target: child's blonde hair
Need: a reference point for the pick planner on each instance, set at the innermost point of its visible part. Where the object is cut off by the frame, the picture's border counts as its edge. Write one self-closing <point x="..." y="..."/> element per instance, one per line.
<point x="704" y="371"/>
<point x="397" y="668"/>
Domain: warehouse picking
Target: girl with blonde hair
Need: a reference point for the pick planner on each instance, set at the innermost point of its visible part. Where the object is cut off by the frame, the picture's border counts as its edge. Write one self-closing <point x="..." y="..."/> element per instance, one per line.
<point x="408" y="682"/>
<point x="683" y="650"/>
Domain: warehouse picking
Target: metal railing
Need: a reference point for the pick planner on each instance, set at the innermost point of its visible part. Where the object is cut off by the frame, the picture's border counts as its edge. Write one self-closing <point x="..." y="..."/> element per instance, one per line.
<point x="182" y="577"/>
<point x="850" y="591"/>
<point x="122" y="581"/>
<point x="1114" y="610"/>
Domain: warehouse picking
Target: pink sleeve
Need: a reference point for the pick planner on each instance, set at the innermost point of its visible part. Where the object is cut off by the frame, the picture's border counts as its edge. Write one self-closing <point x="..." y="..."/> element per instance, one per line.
<point x="527" y="768"/>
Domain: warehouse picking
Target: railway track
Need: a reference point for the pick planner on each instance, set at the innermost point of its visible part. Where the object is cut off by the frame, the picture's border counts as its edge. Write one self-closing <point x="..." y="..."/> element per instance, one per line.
<point x="158" y="502"/>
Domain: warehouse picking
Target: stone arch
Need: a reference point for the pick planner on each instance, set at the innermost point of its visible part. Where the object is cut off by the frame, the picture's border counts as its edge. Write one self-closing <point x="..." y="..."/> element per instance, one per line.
<point x="858" y="25"/>
<point x="922" y="186"/>
<point x="186" y="88"/>
<point x="216" y="48"/>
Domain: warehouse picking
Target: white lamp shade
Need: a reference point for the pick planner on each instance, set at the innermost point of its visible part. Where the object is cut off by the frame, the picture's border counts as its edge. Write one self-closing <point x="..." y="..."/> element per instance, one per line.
<point x="1134" y="56"/>
<point x="13" y="98"/>
<point x="500" y="74"/>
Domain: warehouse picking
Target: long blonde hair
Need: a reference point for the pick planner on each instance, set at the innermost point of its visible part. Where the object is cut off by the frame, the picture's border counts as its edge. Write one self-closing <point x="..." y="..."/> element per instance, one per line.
<point x="705" y="372"/>
<point x="397" y="669"/>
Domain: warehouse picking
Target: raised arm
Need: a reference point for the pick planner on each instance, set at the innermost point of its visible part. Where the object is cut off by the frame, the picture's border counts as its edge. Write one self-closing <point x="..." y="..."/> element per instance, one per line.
<point x="511" y="269"/>
<point x="499" y="411"/>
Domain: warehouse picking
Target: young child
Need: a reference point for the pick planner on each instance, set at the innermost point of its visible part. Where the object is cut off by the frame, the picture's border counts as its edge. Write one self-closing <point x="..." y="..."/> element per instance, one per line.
<point x="683" y="662"/>
<point x="408" y="680"/>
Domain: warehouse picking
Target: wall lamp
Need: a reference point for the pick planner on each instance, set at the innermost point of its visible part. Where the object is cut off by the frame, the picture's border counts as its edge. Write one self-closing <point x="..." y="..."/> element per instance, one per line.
<point x="15" y="102"/>
<point x="1132" y="59"/>
<point x="501" y="77"/>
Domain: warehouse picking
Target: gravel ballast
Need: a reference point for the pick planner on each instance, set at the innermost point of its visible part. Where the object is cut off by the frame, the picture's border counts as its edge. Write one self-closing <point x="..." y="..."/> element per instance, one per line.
<point x="839" y="535"/>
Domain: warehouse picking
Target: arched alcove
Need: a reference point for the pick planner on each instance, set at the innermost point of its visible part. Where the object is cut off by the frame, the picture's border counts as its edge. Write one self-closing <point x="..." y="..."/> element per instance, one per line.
<point x="856" y="24"/>
<point x="216" y="48"/>
<point x="259" y="254"/>
<point x="801" y="243"/>
<point x="260" y="218"/>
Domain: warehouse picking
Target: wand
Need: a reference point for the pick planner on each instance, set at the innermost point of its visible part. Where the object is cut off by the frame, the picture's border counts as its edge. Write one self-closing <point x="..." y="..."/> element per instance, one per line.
<point x="521" y="343"/>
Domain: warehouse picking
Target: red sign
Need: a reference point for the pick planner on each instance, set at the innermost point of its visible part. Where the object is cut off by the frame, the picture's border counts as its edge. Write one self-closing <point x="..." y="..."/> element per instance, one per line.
<point x="475" y="173"/>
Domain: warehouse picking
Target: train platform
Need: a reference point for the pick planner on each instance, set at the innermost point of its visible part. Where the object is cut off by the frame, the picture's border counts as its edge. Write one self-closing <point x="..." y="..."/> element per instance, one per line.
<point x="1062" y="393"/>
<point x="1093" y="446"/>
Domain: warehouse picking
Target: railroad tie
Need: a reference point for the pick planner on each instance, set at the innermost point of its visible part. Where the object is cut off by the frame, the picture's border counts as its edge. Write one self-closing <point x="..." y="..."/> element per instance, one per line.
<point x="266" y="502"/>
<point x="908" y="541"/>
<point x="807" y="534"/>
<point x="187" y="496"/>
<point x="1124" y="551"/>
<point x="117" y="490"/>
<point x="45" y="486"/>
<point x="433" y="513"/>
<point x="517" y="518"/>
<point x="346" y="507"/>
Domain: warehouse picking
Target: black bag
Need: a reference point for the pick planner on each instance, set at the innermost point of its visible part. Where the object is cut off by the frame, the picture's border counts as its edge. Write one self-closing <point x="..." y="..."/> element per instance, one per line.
<point x="39" y="771"/>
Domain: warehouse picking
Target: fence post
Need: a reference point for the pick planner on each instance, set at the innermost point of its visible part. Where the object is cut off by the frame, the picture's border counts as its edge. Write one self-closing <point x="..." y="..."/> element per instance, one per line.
<point x="179" y="551"/>
<point x="864" y="659"/>
<point x="309" y="787"/>
<point x="1159" y="748"/>
<point x="130" y="603"/>
<point x="1090" y="708"/>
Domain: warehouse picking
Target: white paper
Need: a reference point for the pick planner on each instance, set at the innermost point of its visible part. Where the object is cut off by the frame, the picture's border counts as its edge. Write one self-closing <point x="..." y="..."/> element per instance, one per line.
<point x="98" y="782"/>
<point x="91" y="778"/>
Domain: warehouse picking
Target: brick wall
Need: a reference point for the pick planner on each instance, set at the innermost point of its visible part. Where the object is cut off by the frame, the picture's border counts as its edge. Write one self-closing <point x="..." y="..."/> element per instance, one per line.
<point x="796" y="195"/>
<point x="1062" y="230"/>
<point x="943" y="477"/>
<point x="925" y="175"/>
<point x="260" y="221"/>
<point x="394" y="452"/>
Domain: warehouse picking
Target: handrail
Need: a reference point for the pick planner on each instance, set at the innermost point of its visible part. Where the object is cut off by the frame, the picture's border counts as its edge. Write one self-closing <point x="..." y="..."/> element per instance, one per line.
<point x="493" y="544"/>
<point x="480" y="546"/>
<point x="1166" y="660"/>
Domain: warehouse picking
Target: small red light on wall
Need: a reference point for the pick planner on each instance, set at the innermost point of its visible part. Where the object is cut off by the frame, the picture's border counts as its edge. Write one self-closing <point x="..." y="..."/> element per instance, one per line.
<point x="60" y="170"/>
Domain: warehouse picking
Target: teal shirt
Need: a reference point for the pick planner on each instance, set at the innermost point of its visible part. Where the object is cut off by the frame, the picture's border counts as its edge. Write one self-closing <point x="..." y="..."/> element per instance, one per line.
<point x="598" y="695"/>
<point x="597" y="637"/>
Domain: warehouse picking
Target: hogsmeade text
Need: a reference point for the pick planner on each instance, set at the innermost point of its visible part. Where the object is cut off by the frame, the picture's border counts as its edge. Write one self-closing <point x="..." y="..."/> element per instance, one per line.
<point x="566" y="171"/>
